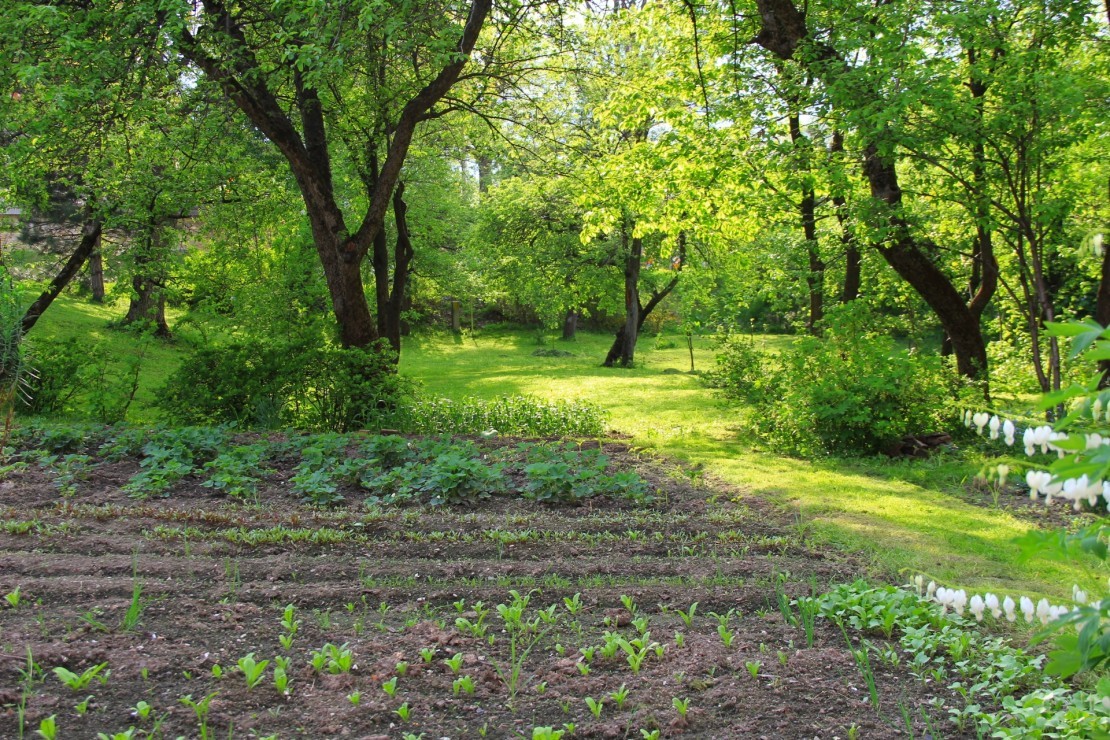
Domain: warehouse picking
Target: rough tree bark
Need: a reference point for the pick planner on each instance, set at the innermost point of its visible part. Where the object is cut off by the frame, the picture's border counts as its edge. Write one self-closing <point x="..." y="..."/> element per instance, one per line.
<point x="90" y="239"/>
<point x="96" y="274"/>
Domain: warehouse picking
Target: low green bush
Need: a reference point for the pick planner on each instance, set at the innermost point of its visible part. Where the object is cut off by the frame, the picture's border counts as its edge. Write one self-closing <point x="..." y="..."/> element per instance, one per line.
<point x="301" y="383"/>
<point x="77" y="378"/>
<point x="851" y="391"/>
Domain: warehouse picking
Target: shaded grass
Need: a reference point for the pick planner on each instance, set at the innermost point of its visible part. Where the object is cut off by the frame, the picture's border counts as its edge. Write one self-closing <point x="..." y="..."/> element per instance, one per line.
<point x="75" y="318"/>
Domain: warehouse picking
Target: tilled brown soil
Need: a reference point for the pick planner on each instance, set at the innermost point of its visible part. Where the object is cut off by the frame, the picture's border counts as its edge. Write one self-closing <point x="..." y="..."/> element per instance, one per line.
<point x="389" y="583"/>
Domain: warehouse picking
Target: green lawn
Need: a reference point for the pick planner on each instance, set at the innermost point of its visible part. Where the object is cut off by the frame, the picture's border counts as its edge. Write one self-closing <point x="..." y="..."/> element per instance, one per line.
<point x="905" y="516"/>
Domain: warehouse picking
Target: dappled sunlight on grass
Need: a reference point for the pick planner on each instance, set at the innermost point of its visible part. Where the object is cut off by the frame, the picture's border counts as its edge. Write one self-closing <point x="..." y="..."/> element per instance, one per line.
<point x="903" y="514"/>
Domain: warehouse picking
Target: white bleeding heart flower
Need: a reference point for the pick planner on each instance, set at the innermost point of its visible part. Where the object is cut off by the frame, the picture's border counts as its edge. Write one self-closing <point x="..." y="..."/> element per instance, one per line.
<point x="976" y="607"/>
<point x="1008" y="606"/>
<point x="980" y="420"/>
<point x="1027" y="608"/>
<point x="994" y="425"/>
<point x="1044" y="611"/>
<point x="1029" y="439"/>
<point x="1008" y="431"/>
<point x="992" y="603"/>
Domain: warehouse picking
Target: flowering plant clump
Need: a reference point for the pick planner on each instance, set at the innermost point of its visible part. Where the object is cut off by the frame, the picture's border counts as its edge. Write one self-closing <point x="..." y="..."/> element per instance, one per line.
<point x="1080" y="474"/>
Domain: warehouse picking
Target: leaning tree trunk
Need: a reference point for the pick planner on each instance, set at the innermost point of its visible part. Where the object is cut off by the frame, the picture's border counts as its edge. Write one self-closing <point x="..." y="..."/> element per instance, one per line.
<point x="783" y="30"/>
<point x="90" y="238"/>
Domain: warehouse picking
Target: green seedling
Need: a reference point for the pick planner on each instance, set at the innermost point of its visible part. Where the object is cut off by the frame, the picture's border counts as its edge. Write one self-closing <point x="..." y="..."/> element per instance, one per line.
<point x="141" y="710"/>
<point x="726" y="634"/>
<point x="134" y="614"/>
<point x="583" y="668"/>
<point x="390" y="686"/>
<point x="401" y="667"/>
<point x="546" y="733"/>
<point x="463" y="684"/>
<point x="217" y="671"/>
<point x="200" y="708"/>
<point x="427" y="654"/>
<point x="460" y="605"/>
<point x="281" y="681"/>
<point x="619" y="696"/>
<point x="83" y="706"/>
<point x="355" y="697"/>
<point x="649" y="734"/>
<point x="595" y="706"/>
<point x="332" y="659"/>
<point x="573" y="604"/>
<point x="679" y="639"/>
<point x="48" y="728"/>
<point x="541" y="687"/>
<point x="403" y="711"/>
<point x="753" y="667"/>
<point x="127" y="734"/>
<point x="78" y="681"/>
<point x="688" y="615"/>
<point x="629" y="604"/>
<point x="454" y="663"/>
<point x="253" y="671"/>
<point x="14" y="597"/>
<point x="681" y="706"/>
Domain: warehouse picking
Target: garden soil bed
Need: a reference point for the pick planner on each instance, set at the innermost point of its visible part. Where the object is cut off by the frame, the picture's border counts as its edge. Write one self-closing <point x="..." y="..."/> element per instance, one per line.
<point x="214" y="577"/>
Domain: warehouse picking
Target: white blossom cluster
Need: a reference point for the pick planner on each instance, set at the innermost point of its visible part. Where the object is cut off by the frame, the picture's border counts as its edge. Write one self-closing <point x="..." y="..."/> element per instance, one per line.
<point x="1044" y="439"/>
<point x="957" y="600"/>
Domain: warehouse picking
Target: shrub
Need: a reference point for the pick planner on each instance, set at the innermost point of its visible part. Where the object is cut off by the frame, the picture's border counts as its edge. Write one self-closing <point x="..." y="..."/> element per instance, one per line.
<point x="300" y="383"/>
<point x="849" y="392"/>
<point x="74" y="377"/>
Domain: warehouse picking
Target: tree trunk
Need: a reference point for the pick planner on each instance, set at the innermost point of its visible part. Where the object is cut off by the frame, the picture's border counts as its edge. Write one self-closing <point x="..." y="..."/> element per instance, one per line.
<point x="622" y="341"/>
<point x="90" y="238"/>
<point x="570" y="325"/>
<point x="96" y="273"/>
<point x="1102" y="309"/>
<point x="783" y="29"/>
<point x="148" y="305"/>
<point x="807" y="210"/>
<point x="234" y="64"/>
<point x="623" y="350"/>
<point x="903" y="253"/>
<point x="852" y="275"/>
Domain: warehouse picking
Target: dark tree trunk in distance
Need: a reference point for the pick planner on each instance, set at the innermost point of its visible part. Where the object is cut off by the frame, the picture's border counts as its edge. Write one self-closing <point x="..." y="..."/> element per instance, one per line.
<point x="570" y="324"/>
<point x="96" y="273"/>
<point x="624" y="344"/>
<point x="90" y="239"/>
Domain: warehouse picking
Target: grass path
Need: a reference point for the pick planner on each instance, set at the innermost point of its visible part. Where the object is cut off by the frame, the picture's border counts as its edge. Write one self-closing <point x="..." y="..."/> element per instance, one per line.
<point x="906" y="515"/>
